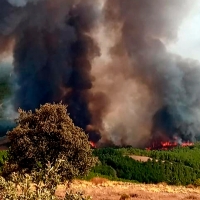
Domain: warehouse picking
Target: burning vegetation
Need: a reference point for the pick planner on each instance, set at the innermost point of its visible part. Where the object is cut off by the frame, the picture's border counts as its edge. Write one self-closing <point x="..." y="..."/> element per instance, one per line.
<point x="168" y="145"/>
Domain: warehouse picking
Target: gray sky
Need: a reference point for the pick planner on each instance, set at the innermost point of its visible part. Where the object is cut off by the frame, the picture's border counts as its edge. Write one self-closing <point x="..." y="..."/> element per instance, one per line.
<point x="188" y="43"/>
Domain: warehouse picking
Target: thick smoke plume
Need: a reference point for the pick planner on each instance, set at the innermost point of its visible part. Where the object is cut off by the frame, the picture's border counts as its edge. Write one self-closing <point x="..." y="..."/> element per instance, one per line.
<point x="169" y="85"/>
<point x="52" y="53"/>
<point x="108" y="62"/>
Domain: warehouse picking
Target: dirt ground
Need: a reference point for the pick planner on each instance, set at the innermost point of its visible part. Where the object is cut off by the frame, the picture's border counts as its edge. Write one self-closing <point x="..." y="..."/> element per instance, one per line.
<point x="101" y="189"/>
<point x="140" y="158"/>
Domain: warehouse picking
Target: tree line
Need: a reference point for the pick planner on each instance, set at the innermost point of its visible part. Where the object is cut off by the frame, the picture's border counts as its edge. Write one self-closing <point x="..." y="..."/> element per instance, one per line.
<point x="172" y="167"/>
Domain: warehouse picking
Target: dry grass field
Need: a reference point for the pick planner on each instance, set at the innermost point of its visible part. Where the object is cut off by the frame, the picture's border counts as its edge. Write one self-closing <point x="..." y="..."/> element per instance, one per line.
<point x="102" y="189"/>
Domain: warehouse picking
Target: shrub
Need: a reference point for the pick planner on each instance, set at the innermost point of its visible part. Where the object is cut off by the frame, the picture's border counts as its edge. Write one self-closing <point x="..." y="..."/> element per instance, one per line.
<point x="30" y="187"/>
<point x="197" y="182"/>
<point x="124" y="197"/>
<point x="3" y="158"/>
<point x="45" y="136"/>
<point x="190" y="186"/>
<point x="20" y="186"/>
<point x="105" y="170"/>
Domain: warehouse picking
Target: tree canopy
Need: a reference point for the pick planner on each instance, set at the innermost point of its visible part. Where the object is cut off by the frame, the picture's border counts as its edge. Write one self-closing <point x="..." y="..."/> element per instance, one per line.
<point x="47" y="135"/>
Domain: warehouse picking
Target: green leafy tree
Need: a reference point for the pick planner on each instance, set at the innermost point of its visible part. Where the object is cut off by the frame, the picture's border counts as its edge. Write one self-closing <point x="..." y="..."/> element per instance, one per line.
<point x="45" y="136"/>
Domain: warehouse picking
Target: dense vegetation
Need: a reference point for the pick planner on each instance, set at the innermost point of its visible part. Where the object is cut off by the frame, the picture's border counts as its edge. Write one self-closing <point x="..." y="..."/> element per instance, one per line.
<point x="179" y="166"/>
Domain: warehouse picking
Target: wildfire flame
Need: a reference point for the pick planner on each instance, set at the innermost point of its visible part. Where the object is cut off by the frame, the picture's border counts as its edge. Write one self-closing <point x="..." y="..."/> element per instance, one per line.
<point x="168" y="145"/>
<point x="93" y="145"/>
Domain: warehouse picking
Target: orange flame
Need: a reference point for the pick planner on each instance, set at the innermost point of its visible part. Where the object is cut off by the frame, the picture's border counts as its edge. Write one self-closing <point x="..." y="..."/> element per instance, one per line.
<point x="169" y="145"/>
<point x="93" y="145"/>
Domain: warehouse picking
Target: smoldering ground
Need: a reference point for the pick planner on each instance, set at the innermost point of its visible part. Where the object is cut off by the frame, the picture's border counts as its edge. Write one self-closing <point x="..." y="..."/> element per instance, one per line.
<point x="108" y="61"/>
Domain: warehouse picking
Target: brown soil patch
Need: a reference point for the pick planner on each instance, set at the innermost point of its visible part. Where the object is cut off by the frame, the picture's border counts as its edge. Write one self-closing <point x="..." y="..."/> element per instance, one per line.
<point x="108" y="190"/>
<point x="143" y="158"/>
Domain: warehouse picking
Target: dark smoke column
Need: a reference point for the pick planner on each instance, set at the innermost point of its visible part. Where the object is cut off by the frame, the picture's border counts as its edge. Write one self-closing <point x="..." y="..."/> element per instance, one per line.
<point x="53" y="53"/>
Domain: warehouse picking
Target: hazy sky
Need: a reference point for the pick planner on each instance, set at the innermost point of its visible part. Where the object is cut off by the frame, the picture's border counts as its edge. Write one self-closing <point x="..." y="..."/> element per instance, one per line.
<point x="188" y="43"/>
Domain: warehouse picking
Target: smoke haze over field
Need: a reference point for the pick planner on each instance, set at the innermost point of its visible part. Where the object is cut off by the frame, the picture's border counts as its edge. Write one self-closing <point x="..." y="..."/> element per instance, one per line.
<point x="109" y="62"/>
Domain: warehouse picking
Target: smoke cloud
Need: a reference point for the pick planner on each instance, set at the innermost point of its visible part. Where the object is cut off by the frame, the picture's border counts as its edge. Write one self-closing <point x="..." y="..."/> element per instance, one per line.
<point x="52" y="55"/>
<point x="108" y="61"/>
<point x="172" y="83"/>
